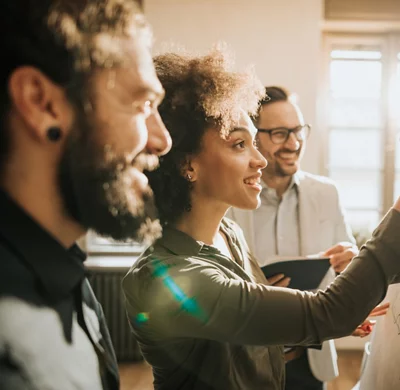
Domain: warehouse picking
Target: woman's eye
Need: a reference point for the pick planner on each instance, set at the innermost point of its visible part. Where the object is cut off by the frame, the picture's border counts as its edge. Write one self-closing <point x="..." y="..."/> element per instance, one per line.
<point x="240" y="145"/>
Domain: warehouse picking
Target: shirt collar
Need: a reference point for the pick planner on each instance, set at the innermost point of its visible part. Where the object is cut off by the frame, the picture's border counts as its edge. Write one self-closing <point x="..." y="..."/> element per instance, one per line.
<point x="58" y="269"/>
<point x="294" y="182"/>
<point x="179" y="242"/>
<point x="295" y="179"/>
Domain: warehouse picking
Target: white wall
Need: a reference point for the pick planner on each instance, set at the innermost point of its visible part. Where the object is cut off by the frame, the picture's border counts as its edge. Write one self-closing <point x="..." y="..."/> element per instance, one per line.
<point x="281" y="37"/>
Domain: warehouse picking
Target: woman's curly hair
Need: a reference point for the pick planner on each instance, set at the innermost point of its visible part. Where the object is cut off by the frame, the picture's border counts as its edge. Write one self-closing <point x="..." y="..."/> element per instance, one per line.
<point x="202" y="92"/>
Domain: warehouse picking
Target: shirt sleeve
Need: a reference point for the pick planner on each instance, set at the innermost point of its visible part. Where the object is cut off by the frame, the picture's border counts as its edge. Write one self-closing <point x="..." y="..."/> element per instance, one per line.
<point x="196" y="300"/>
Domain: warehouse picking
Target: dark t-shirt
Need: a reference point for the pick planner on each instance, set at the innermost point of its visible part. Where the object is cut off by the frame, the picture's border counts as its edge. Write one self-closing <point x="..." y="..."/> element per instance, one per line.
<point x="52" y="329"/>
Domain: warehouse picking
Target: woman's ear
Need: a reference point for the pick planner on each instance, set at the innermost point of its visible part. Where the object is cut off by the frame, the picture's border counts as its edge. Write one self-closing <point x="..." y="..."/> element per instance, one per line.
<point x="188" y="171"/>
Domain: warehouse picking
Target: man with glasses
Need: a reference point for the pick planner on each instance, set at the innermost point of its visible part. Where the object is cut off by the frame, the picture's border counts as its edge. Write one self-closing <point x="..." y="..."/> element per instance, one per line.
<point x="300" y="215"/>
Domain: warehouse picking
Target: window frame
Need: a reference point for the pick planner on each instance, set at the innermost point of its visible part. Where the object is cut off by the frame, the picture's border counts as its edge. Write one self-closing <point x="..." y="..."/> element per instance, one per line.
<point x="389" y="45"/>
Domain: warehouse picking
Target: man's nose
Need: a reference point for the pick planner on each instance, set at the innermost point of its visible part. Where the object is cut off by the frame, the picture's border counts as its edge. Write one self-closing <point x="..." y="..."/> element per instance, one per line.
<point x="159" y="140"/>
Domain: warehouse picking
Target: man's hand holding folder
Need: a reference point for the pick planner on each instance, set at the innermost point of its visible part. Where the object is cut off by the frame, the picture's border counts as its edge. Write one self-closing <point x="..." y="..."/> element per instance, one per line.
<point x="279" y="280"/>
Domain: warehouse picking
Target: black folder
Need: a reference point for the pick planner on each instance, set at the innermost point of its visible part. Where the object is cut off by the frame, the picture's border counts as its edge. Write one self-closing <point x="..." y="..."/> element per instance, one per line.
<point x="305" y="273"/>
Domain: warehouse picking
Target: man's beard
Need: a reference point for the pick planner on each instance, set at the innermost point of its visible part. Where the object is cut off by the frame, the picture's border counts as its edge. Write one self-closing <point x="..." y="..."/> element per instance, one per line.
<point x="99" y="192"/>
<point x="281" y="172"/>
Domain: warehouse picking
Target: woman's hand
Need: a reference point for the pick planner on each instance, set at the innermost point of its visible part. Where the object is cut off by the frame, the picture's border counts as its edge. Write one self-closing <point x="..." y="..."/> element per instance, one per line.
<point x="368" y="325"/>
<point x="396" y="206"/>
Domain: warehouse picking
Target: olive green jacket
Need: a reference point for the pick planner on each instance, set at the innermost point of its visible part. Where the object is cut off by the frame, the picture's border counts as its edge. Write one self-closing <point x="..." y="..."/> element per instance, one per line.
<point x="204" y="321"/>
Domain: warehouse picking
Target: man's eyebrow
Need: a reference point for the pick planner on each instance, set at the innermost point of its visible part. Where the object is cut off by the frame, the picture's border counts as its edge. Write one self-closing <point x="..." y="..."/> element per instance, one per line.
<point x="155" y="94"/>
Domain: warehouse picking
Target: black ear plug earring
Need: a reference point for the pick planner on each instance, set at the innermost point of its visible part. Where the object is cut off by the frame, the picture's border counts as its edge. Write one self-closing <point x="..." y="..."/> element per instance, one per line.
<point x="54" y="133"/>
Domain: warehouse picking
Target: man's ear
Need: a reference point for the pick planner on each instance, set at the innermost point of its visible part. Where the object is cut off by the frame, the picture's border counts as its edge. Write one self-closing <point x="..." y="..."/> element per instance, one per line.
<point x="38" y="102"/>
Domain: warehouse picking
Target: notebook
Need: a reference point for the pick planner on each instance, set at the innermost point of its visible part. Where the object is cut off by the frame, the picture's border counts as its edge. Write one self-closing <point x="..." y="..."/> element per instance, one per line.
<point x="306" y="273"/>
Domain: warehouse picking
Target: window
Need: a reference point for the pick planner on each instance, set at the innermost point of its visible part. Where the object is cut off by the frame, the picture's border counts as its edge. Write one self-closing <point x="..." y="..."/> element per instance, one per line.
<point x="96" y="244"/>
<point x="362" y="120"/>
<point x="396" y="112"/>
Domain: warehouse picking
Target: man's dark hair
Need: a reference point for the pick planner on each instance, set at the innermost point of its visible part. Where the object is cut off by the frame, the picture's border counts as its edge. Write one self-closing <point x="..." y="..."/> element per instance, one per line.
<point x="272" y="95"/>
<point x="201" y="92"/>
<point x="58" y="37"/>
<point x="275" y="94"/>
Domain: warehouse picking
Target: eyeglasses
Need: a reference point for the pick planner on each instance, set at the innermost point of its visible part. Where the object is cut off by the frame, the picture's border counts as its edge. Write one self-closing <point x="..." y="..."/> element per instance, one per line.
<point x="280" y="135"/>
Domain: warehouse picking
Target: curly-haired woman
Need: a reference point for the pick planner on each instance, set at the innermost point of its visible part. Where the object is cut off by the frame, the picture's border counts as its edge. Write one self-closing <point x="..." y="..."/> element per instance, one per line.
<point x="203" y="313"/>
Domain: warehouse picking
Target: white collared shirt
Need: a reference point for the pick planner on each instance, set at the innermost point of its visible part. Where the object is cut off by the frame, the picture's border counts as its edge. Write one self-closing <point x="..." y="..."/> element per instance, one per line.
<point x="276" y="224"/>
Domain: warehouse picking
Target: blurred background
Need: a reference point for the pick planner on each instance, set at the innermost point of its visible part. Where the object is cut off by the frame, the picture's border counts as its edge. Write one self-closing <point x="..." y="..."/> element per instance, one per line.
<point x="341" y="57"/>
